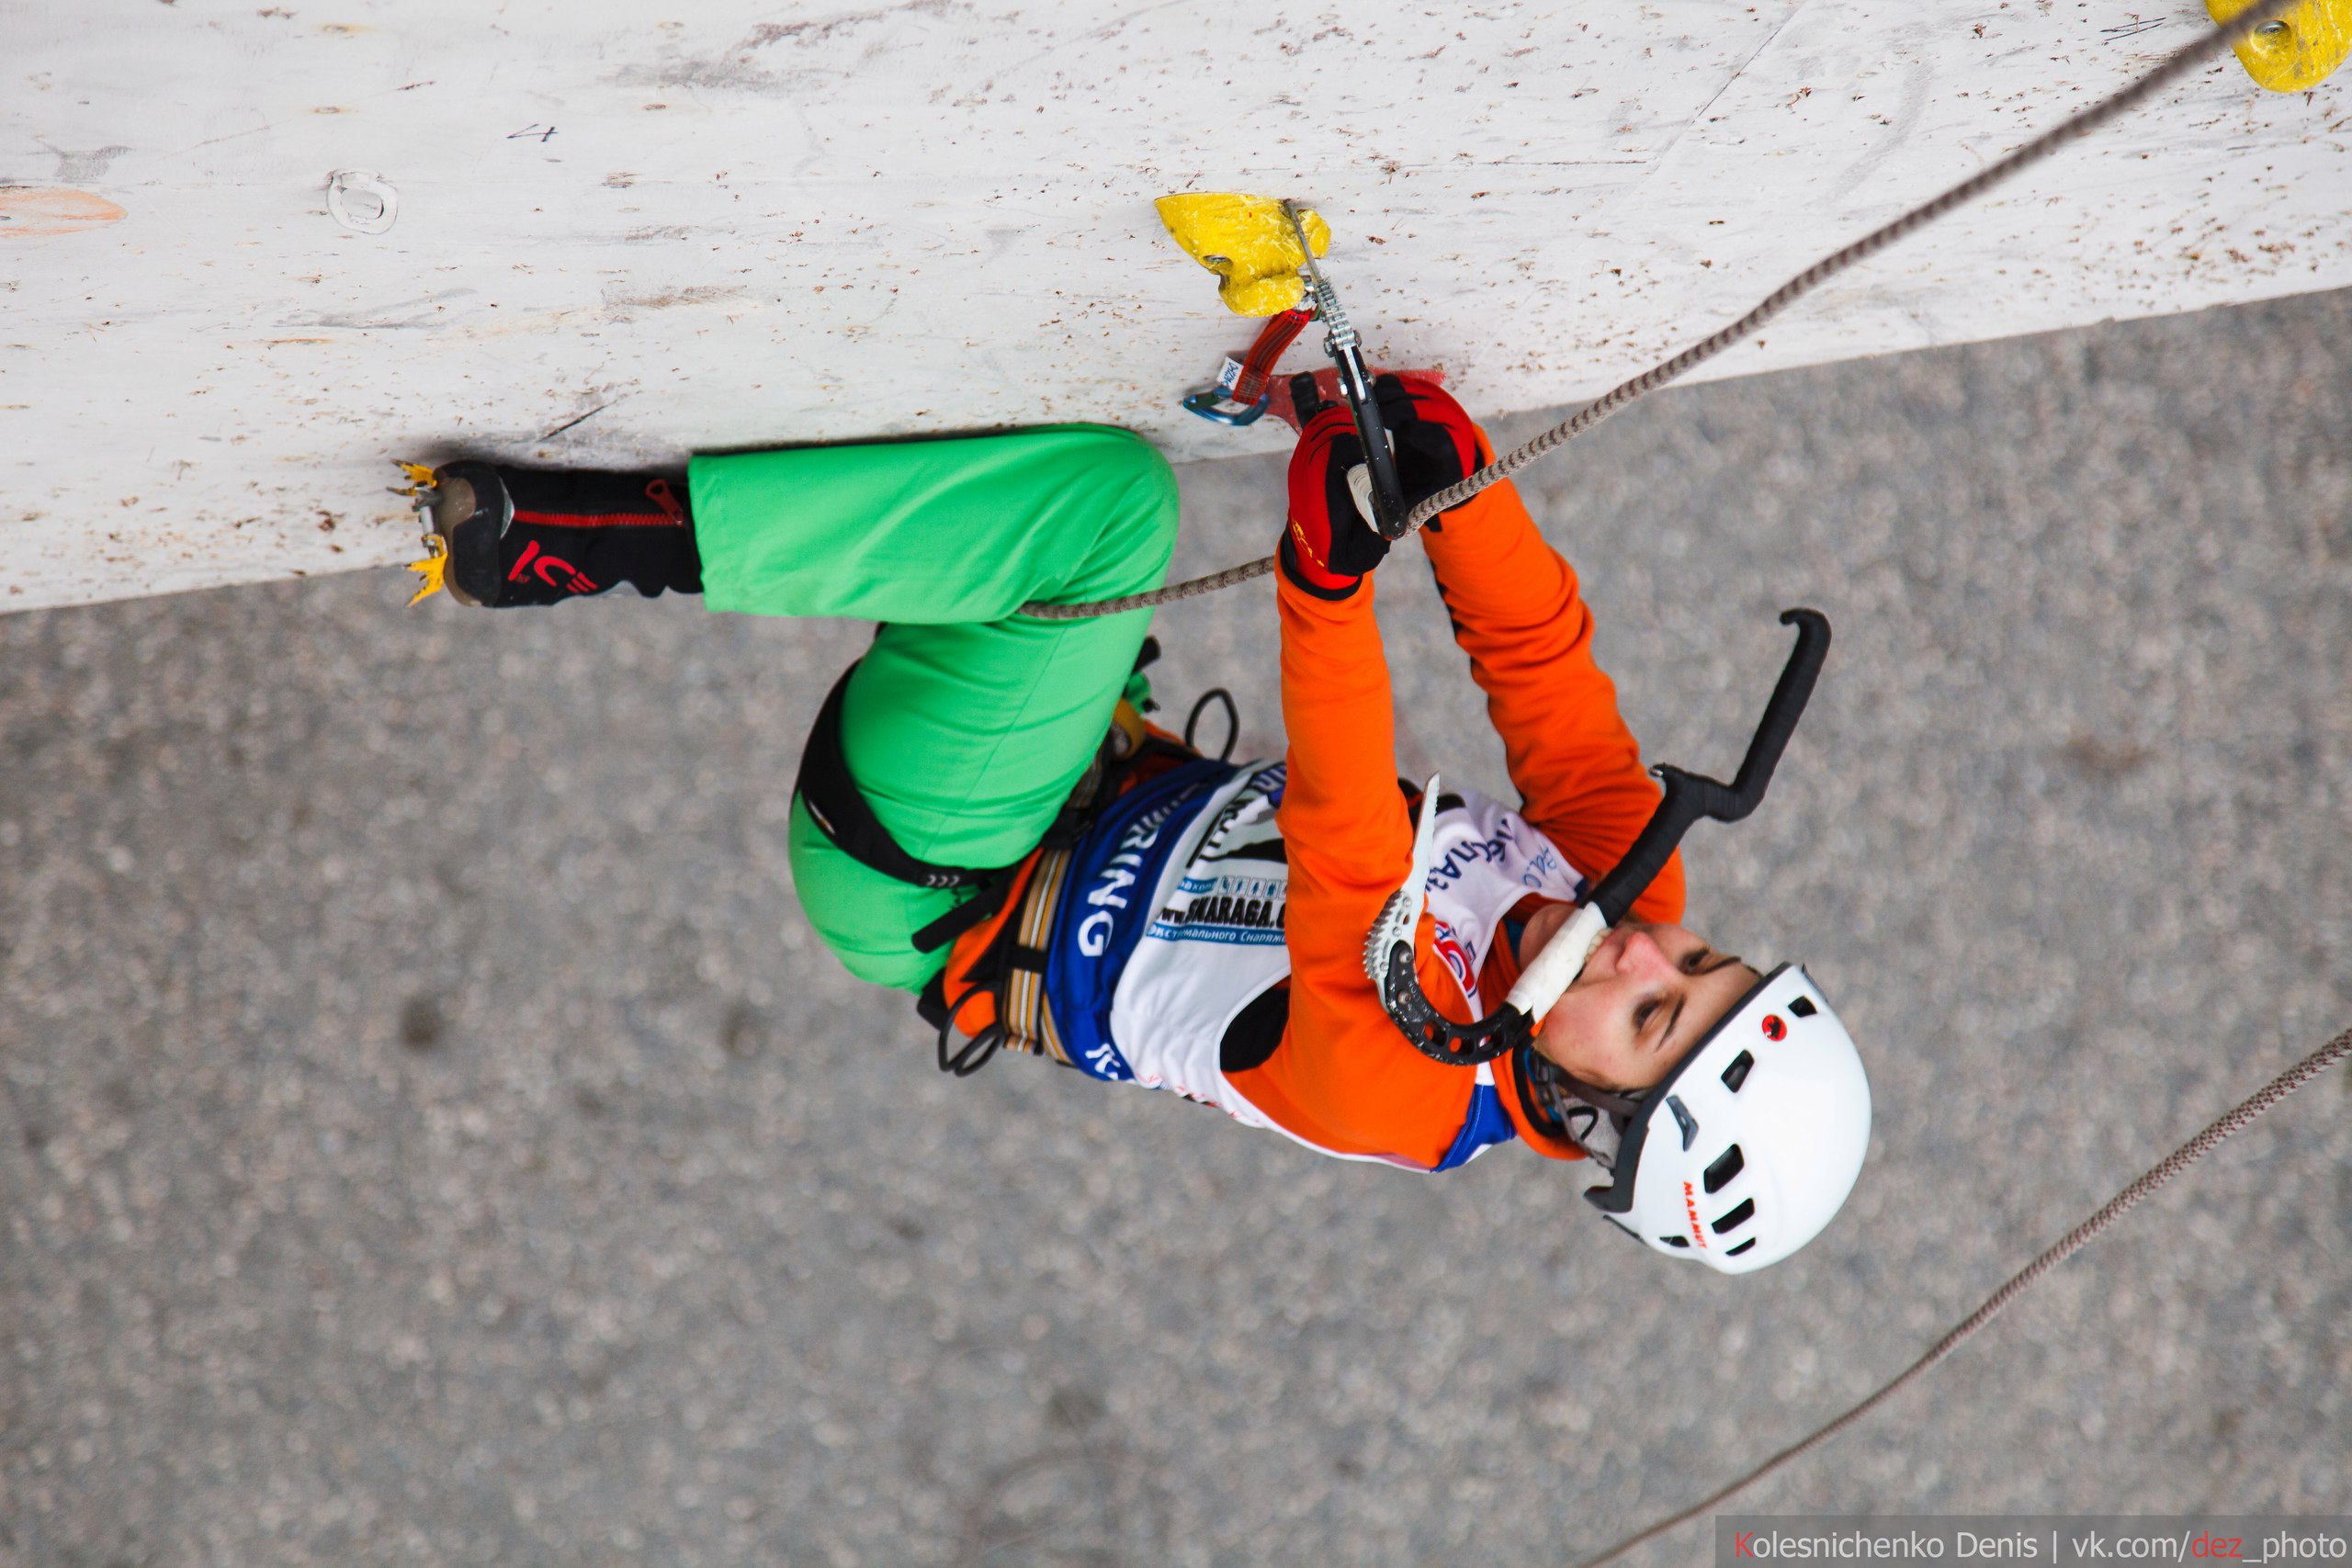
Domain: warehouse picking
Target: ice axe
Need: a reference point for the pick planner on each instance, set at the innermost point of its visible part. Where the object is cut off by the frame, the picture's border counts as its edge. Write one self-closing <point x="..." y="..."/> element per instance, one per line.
<point x="1374" y="485"/>
<point x="1389" y="949"/>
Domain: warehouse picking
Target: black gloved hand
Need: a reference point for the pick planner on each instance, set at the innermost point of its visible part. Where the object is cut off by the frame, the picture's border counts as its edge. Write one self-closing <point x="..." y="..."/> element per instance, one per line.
<point x="1328" y="545"/>
<point x="1435" y="444"/>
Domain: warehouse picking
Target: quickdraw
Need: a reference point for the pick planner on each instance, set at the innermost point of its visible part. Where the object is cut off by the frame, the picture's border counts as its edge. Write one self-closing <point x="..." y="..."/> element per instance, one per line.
<point x="1375" y="480"/>
<point x="1243" y="394"/>
<point x="1243" y="388"/>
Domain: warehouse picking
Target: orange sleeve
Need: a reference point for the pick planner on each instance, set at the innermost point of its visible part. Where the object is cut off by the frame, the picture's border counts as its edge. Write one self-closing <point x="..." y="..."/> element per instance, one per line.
<point x="1518" y="614"/>
<point x="1343" y="1076"/>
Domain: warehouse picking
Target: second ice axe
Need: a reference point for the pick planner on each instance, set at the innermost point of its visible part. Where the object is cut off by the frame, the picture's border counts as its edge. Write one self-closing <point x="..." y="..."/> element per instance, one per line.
<point x="1389" y="949"/>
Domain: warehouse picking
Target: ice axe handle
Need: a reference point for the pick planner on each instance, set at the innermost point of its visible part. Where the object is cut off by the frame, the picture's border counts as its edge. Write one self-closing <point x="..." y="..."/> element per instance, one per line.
<point x="1690" y="797"/>
<point x="1387" y="493"/>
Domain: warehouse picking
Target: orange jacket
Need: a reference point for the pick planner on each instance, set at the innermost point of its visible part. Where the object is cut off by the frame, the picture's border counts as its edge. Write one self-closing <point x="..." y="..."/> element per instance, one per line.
<point x="1344" y="1077"/>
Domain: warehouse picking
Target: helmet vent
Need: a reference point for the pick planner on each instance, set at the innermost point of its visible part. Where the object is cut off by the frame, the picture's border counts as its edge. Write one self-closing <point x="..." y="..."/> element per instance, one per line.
<point x="1729" y="1164"/>
<point x="1676" y="1240"/>
<point x="1736" y="1074"/>
<point x="1683" y="1119"/>
<point x="1741" y="1212"/>
<point x="1743" y="1247"/>
<point x="1802" y="1006"/>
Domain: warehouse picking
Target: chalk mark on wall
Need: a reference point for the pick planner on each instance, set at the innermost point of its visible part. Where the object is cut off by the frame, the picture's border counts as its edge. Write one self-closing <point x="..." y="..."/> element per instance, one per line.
<point x="32" y="211"/>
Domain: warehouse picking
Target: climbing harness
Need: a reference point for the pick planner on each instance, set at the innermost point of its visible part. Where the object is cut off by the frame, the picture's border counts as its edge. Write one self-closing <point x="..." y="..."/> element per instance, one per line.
<point x="2184" y="60"/>
<point x="1232" y="721"/>
<point x="839" y="808"/>
<point x="2242" y="1116"/>
<point x="1005" y="966"/>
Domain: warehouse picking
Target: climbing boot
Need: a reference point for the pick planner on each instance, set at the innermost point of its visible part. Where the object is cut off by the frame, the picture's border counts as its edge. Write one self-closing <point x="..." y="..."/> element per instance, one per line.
<point x="504" y="536"/>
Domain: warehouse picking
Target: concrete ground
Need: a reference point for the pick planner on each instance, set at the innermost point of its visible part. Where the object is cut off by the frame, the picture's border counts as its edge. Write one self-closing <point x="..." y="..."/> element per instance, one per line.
<point x="431" y="1133"/>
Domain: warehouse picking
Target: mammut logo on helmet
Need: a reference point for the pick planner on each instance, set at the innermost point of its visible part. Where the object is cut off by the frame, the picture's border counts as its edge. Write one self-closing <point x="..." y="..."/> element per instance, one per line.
<point x="1773" y="1028"/>
<point x="1691" y="1208"/>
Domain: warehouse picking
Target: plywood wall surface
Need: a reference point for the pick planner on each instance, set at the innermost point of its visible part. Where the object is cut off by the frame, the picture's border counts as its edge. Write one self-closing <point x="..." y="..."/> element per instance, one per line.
<point x="609" y="231"/>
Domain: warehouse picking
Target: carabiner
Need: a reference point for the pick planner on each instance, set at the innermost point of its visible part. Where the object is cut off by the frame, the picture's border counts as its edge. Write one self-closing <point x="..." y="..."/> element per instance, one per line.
<point x="1207" y="404"/>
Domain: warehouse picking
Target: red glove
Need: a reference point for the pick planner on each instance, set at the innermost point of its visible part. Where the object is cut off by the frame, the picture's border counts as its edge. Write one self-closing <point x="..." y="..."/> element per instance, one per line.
<point x="1330" y="546"/>
<point x="1435" y="443"/>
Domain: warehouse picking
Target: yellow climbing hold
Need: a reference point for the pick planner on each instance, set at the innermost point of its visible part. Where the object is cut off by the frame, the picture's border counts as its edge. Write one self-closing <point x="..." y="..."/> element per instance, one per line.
<point x="2297" y="51"/>
<point x="1246" y="241"/>
<point x="433" y="567"/>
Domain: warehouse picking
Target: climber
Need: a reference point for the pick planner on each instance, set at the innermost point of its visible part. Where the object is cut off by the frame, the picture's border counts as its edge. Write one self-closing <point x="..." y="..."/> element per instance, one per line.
<point x="984" y="819"/>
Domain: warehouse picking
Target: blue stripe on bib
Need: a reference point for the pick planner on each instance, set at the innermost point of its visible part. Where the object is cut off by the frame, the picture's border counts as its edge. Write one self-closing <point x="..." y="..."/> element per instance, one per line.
<point x="1106" y="903"/>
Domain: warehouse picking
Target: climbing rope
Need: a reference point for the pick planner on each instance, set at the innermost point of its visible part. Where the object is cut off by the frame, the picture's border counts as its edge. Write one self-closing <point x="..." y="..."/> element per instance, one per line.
<point x="2073" y="1241"/>
<point x="2248" y="1110"/>
<point x="2181" y="64"/>
<point x="1167" y="595"/>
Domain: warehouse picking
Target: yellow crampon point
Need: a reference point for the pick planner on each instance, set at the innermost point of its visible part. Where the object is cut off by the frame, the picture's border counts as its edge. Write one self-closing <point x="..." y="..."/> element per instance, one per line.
<point x="2299" y="50"/>
<point x="1248" y="241"/>
<point x="435" y="567"/>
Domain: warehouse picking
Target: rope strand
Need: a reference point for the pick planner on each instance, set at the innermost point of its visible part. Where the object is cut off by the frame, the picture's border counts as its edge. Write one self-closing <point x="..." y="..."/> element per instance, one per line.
<point x="1624" y="394"/>
<point x="2073" y="1241"/>
<point x="1171" y="594"/>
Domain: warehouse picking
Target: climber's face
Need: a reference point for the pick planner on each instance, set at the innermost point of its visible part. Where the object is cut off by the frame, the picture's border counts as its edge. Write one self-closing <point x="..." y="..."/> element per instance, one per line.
<point x="1646" y="996"/>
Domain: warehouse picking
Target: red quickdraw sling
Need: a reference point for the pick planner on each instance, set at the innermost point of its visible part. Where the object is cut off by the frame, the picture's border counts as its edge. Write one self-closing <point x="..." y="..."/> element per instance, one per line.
<point x="1240" y="396"/>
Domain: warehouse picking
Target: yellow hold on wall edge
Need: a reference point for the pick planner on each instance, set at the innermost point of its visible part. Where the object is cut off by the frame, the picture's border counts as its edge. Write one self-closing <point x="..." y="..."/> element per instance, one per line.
<point x="2297" y="52"/>
<point x="1248" y="243"/>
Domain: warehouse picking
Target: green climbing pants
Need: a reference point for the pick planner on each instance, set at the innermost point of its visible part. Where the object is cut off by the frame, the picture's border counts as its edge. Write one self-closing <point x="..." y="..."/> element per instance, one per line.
<point x="967" y="724"/>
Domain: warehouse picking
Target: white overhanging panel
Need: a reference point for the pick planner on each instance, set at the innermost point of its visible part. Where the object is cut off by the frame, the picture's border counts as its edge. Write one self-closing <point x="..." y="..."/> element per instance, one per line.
<point x="599" y="232"/>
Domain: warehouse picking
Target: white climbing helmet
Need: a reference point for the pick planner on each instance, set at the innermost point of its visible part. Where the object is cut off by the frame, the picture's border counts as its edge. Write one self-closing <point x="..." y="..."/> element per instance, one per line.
<point x="1749" y="1147"/>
